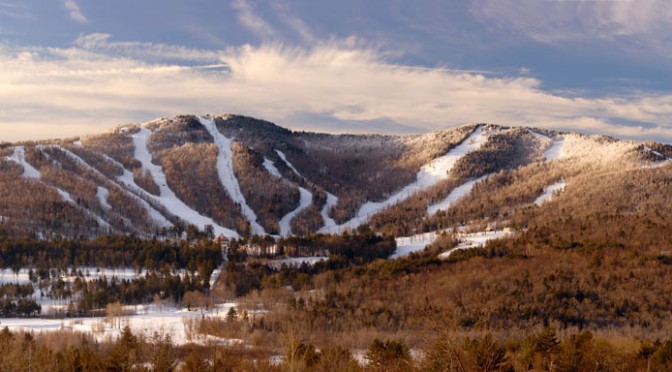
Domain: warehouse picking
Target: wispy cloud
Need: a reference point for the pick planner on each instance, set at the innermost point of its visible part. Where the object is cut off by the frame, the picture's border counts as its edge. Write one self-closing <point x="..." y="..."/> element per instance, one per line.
<point x="253" y="22"/>
<point x="645" y="23"/>
<point x="334" y="84"/>
<point x="15" y="9"/>
<point x="75" y="13"/>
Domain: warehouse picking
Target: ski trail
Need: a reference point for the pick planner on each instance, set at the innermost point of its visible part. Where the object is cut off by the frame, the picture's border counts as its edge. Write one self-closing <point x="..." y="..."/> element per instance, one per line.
<point x="284" y="158"/>
<point x="19" y="157"/>
<point x="329" y="223"/>
<point x="555" y="151"/>
<point x="454" y="196"/>
<point x="305" y="201"/>
<point x="306" y="198"/>
<point x="430" y="174"/>
<point x="549" y="192"/>
<point x="226" y="175"/>
<point x="167" y="197"/>
<point x="126" y="178"/>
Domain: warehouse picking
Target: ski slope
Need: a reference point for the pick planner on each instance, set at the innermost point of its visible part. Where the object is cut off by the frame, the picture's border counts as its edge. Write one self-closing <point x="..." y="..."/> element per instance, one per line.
<point x="306" y="199"/>
<point x="329" y="223"/>
<point x="475" y="240"/>
<point x="555" y="150"/>
<point x="454" y="196"/>
<point x="167" y="197"/>
<point x="429" y="175"/>
<point x="271" y="168"/>
<point x="549" y="191"/>
<point x="127" y="178"/>
<point x="284" y="158"/>
<point x="226" y="175"/>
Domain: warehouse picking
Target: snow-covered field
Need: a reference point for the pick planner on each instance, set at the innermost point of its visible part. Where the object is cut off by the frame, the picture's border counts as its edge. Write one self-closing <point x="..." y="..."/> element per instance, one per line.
<point x="167" y="197"/>
<point x="147" y="320"/>
<point x="429" y="175"/>
<point x="226" y="175"/>
<point x="550" y="191"/>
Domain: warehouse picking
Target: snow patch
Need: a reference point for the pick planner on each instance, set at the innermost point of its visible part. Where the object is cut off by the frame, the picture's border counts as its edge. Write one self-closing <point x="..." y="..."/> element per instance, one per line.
<point x="19" y="157"/>
<point x="329" y="223"/>
<point x="226" y="175"/>
<point x="167" y="197"/>
<point x="415" y="243"/>
<point x="284" y="158"/>
<point x="454" y="196"/>
<point x="555" y="150"/>
<point x="475" y="240"/>
<point x="550" y="191"/>
<point x="103" y="194"/>
<point x="270" y="167"/>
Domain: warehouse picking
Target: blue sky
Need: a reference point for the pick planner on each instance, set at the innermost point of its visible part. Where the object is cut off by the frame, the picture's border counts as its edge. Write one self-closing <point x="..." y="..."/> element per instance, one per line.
<point x="72" y="67"/>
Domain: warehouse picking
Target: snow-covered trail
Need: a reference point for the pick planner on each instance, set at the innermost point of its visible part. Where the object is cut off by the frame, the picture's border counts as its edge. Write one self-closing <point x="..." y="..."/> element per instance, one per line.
<point x="555" y="151"/>
<point x="126" y="178"/>
<point x="284" y="158"/>
<point x="306" y="197"/>
<point x="226" y="175"/>
<point x="429" y="175"/>
<point x="329" y="223"/>
<point x="549" y="191"/>
<point x="454" y="196"/>
<point x="167" y="197"/>
<point x="19" y="157"/>
<point x="410" y="244"/>
<point x="475" y="240"/>
<point x="305" y="201"/>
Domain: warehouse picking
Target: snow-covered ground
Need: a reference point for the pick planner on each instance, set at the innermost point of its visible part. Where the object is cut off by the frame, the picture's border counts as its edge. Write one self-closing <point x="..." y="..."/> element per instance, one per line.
<point x="147" y="321"/>
<point x="226" y="175"/>
<point x="550" y="191"/>
<point x="555" y="150"/>
<point x="329" y="223"/>
<point x="415" y="243"/>
<point x="454" y="196"/>
<point x="271" y="168"/>
<point x="429" y="175"/>
<point x="475" y="240"/>
<point x="167" y="197"/>
<point x="305" y="201"/>
<point x="103" y="194"/>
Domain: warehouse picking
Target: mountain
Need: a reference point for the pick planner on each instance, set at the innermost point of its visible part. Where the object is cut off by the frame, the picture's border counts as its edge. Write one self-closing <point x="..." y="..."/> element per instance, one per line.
<point x="237" y="176"/>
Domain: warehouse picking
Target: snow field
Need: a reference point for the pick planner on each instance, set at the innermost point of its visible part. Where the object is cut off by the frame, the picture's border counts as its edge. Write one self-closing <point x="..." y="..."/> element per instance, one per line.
<point x="454" y="196"/>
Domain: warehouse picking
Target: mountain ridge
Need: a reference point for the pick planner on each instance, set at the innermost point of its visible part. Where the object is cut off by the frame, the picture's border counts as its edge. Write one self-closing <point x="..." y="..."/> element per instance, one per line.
<point x="240" y="176"/>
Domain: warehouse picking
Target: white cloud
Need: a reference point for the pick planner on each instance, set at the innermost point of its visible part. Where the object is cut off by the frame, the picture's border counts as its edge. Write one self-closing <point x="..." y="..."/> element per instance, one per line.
<point x="75" y="13"/>
<point x="15" y="9"/>
<point x="646" y="23"/>
<point x="252" y="21"/>
<point x="336" y="84"/>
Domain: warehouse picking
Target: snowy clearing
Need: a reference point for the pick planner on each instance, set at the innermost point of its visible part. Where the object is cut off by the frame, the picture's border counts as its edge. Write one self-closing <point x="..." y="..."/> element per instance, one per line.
<point x="167" y="197"/>
<point x="429" y="175"/>
<point x="550" y="191"/>
<point x="149" y="319"/>
<point x="475" y="240"/>
<point x="454" y="196"/>
<point x="415" y="243"/>
<point x="226" y="175"/>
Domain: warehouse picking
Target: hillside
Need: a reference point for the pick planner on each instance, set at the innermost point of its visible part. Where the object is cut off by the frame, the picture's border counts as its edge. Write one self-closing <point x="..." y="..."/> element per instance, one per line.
<point x="244" y="176"/>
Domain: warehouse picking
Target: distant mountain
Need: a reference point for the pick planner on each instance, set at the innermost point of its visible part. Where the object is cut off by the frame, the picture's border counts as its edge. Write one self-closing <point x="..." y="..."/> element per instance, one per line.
<point x="235" y="176"/>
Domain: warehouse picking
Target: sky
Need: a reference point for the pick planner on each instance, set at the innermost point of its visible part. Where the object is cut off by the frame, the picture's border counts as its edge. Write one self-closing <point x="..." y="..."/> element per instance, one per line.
<point x="76" y="67"/>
